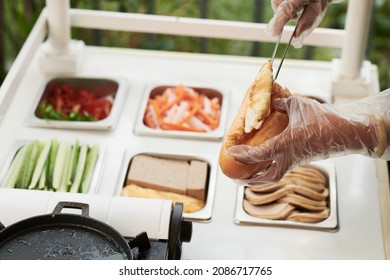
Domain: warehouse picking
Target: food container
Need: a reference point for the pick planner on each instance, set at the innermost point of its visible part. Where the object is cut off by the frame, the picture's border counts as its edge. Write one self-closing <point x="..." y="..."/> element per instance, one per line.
<point x="205" y="214"/>
<point x="88" y="103"/>
<point x="96" y="168"/>
<point x="154" y="90"/>
<point x="329" y="224"/>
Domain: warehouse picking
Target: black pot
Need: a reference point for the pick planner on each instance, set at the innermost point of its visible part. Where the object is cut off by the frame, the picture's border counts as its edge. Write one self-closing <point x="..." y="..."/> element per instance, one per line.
<point x="61" y="236"/>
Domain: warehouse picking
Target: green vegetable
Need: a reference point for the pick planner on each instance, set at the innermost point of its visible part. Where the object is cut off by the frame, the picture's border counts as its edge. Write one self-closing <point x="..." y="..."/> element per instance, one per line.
<point x="80" y="168"/>
<point x="89" y="168"/>
<point x="28" y="165"/>
<point x="51" y="162"/>
<point x="41" y="162"/>
<point x="66" y="169"/>
<point x="46" y="111"/>
<point x="60" y="163"/>
<point x="42" y="179"/>
<point x="13" y="172"/>
<point x="73" y="161"/>
<point x="63" y="166"/>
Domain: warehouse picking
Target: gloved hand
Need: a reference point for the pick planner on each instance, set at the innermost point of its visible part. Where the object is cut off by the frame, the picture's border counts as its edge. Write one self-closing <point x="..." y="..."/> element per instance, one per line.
<point x="289" y="9"/>
<point x="317" y="131"/>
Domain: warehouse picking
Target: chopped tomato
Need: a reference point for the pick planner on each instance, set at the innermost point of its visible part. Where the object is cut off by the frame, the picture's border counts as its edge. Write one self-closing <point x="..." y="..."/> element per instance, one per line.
<point x="70" y="100"/>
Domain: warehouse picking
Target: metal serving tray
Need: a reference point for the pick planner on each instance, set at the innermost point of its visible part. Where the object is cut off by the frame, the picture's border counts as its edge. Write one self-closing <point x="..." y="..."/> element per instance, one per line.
<point x="153" y="89"/>
<point x="93" y="187"/>
<point x="330" y="224"/>
<point x="205" y="214"/>
<point x="117" y="92"/>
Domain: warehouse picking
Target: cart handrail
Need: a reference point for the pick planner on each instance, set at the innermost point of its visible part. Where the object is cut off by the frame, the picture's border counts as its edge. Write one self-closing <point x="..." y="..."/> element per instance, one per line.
<point x="197" y="27"/>
<point x="352" y="40"/>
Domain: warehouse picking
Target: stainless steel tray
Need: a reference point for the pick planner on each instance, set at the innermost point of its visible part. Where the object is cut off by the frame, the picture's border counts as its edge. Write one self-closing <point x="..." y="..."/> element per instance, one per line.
<point x="93" y="188"/>
<point x="330" y="224"/>
<point x="108" y="123"/>
<point x="204" y="214"/>
<point x="217" y="134"/>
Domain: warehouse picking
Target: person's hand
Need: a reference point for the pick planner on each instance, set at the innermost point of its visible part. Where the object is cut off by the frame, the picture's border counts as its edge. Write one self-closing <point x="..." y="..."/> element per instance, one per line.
<point x="315" y="131"/>
<point x="289" y="9"/>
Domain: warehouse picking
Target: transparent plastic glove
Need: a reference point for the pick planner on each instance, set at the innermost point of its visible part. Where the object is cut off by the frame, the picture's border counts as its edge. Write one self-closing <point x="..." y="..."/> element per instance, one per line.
<point x="319" y="131"/>
<point x="288" y="9"/>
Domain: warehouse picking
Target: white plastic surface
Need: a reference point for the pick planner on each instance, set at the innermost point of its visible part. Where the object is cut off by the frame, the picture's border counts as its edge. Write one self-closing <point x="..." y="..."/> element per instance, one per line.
<point x="129" y="216"/>
<point x="63" y="63"/>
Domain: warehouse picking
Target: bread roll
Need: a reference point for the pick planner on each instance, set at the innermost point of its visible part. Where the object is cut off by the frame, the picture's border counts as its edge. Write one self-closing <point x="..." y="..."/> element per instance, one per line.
<point x="255" y="122"/>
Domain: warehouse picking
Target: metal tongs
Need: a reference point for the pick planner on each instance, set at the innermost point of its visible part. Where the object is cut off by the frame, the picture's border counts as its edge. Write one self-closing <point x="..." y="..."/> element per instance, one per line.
<point x="287" y="47"/>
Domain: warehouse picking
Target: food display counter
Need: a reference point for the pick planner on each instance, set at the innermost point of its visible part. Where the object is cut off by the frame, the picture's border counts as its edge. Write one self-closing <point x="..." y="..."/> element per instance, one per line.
<point x="360" y="219"/>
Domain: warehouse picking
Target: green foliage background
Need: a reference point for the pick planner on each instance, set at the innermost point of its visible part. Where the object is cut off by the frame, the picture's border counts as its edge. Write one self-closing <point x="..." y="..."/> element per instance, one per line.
<point x="18" y="17"/>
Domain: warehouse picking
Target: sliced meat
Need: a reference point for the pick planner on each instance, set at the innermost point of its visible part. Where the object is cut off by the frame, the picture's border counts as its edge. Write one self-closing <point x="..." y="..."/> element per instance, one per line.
<point x="301" y="202"/>
<point x="310" y="175"/>
<point x="270" y="187"/>
<point x="318" y="187"/>
<point x="308" y="217"/>
<point x="307" y="192"/>
<point x="273" y="211"/>
<point x="304" y="189"/>
<point x="260" y="199"/>
<point x="309" y="171"/>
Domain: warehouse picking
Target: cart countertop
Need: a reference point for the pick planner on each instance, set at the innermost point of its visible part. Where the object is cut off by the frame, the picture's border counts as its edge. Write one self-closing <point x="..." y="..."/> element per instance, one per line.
<point x="361" y="234"/>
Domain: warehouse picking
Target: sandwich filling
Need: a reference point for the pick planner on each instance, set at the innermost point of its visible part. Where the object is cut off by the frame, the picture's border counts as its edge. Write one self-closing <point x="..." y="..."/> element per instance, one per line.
<point x="260" y="98"/>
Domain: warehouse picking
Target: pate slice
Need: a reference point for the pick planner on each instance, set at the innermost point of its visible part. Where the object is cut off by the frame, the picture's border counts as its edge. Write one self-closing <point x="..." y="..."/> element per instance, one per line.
<point x="260" y="98"/>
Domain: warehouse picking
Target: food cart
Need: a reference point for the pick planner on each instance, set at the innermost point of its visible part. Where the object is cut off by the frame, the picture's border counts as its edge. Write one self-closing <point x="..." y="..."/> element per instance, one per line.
<point x="360" y="222"/>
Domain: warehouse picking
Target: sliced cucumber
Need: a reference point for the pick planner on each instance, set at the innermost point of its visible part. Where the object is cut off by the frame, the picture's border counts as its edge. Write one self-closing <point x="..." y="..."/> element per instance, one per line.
<point x="13" y="171"/>
<point x="80" y="168"/>
<point x="39" y="165"/>
<point x="51" y="162"/>
<point x="23" y="166"/>
<point x="59" y="164"/>
<point x="28" y="165"/>
<point x="73" y="162"/>
<point x="52" y="165"/>
<point x="42" y="179"/>
<point x="66" y="169"/>
<point x="89" y="168"/>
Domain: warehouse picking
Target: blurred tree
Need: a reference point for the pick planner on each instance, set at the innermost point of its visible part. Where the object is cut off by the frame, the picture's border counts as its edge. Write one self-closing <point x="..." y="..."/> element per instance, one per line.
<point x="18" y="17"/>
<point x="2" y="50"/>
<point x="379" y="47"/>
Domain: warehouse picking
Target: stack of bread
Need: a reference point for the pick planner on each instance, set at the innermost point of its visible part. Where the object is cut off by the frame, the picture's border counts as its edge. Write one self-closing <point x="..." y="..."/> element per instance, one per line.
<point x="302" y="195"/>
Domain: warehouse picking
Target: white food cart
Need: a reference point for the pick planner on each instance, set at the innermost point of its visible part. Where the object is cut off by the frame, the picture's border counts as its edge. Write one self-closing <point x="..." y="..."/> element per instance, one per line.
<point x="361" y="225"/>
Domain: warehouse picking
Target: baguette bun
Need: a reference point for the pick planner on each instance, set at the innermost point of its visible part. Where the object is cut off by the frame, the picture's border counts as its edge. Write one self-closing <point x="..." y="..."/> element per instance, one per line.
<point x="256" y="122"/>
